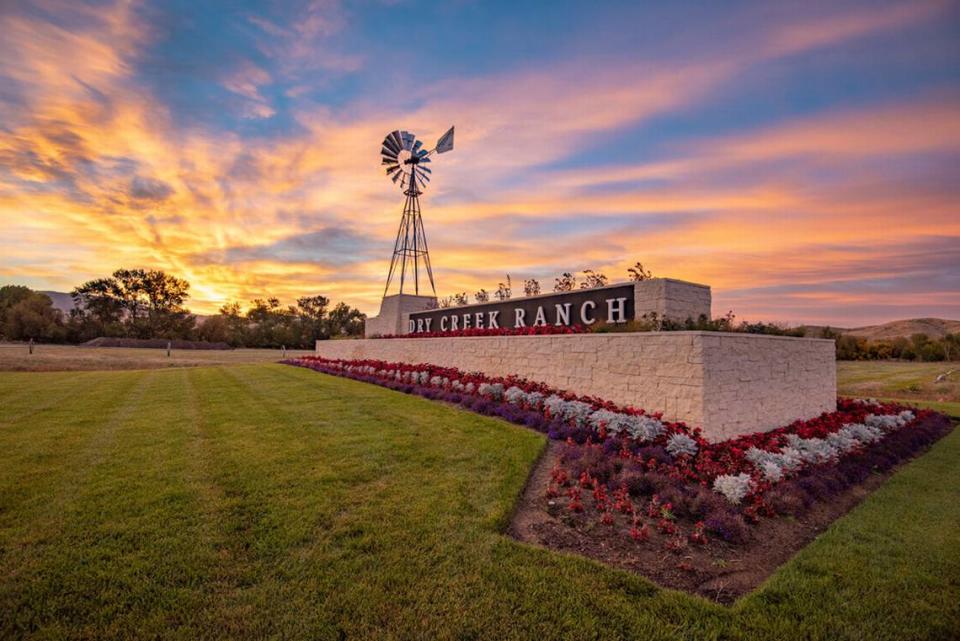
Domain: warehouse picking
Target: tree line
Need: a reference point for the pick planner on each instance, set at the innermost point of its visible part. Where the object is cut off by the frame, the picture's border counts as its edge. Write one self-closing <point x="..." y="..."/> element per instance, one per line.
<point x="139" y="303"/>
<point x="566" y="282"/>
<point x="918" y="347"/>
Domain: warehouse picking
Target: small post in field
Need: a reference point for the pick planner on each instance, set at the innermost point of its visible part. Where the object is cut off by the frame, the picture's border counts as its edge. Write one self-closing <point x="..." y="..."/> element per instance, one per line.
<point x="30" y="346"/>
<point x="168" y="349"/>
<point x="283" y="351"/>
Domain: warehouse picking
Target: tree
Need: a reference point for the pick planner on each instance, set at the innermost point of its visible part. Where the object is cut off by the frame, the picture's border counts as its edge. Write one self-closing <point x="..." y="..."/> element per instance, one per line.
<point x="482" y="296"/>
<point x="592" y="279"/>
<point x="312" y="313"/>
<point x="638" y="273"/>
<point x="215" y="329"/>
<point x="10" y="295"/>
<point x="144" y="303"/>
<point x="566" y="283"/>
<point x="504" y="291"/>
<point x="270" y="323"/>
<point x="344" y="320"/>
<point x="531" y="287"/>
<point x="33" y="316"/>
<point x="99" y="300"/>
<point x="236" y="324"/>
<point x="951" y="346"/>
<point x="454" y="300"/>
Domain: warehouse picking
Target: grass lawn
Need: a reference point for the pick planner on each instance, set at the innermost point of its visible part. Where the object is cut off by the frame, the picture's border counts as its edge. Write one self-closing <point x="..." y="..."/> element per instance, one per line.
<point x="903" y="381"/>
<point x="265" y="501"/>
<point x="16" y="357"/>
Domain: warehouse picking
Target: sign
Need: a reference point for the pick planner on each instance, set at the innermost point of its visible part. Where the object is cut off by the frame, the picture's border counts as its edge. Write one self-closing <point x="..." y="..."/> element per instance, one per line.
<point x="612" y="304"/>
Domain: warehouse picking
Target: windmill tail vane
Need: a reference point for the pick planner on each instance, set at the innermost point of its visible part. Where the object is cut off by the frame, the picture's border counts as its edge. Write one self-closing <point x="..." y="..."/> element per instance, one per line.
<point x="406" y="162"/>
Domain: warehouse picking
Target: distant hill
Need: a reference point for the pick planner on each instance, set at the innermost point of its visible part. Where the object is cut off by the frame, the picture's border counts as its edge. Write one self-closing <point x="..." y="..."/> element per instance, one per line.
<point x="61" y="300"/>
<point x="932" y="327"/>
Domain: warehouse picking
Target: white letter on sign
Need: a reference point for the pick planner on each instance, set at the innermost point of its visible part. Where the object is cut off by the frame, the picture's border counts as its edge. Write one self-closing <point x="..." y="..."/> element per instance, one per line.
<point x="426" y="323"/>
<point x="617" y="313"/>
<point x="453" y="322"/>
<point x="466" y="321"/>
<point x="518" y="316"/>
<point x="443" y="323"/>
<point x="563" y="314"/>
<point x="492" y="320"/>
<point x="541" y="318"/>
<point x="419" y="325"/>
<point x="411" y="327"/>
<point x="587" y="320"/>
<point x="478" y="320"/>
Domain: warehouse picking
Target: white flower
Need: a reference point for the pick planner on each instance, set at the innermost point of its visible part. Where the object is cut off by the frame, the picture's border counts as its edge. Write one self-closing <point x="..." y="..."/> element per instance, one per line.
<point x="644" y="428"/>
<point x="771" y="471"/>
<point x="733" y="488"/>
<point x="679" y="444"/>
<point x="492" y="390"/>
<point x="515" y="395"/>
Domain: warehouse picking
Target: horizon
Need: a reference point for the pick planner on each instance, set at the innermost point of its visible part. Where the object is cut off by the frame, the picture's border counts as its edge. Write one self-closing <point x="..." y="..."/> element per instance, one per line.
<point x="801" y="160"/>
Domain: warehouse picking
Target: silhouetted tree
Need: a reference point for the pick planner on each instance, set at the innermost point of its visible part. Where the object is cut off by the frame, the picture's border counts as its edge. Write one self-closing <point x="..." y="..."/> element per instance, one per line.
<point x="566" y="283"/>
<point x="531" y="287"/>
<point x="638" y="273"/>
<point x="504" y="290"/>
<point x="592" y="279"/>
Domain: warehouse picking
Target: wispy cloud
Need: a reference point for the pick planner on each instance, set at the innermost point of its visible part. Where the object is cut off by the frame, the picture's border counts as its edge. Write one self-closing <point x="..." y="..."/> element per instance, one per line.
<point x="784" y="218"/>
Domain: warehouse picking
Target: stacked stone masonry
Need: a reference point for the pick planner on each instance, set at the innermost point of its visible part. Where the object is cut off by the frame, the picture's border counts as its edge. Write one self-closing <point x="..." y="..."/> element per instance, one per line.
<point x="728" y="384"/>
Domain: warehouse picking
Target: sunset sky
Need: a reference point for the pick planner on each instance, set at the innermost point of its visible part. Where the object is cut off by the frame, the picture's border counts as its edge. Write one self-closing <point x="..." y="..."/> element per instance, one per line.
<point x="802" y="159"/>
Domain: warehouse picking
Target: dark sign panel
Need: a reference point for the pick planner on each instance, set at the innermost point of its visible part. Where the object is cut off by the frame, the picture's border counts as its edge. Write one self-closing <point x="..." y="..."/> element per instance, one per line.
<point x="580" y="307"/>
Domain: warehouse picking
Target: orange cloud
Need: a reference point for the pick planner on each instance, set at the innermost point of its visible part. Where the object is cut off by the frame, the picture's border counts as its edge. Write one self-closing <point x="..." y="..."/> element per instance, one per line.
<point x="94" y="174"/>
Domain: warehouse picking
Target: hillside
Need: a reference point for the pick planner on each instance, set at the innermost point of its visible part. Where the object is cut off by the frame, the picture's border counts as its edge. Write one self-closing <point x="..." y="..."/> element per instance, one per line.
<point x="932" y="327"/>
<point x="61" y="300"/>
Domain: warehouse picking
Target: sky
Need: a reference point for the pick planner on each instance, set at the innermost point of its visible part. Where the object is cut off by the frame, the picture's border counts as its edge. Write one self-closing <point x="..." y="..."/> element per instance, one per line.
<point x="801" y="158"/>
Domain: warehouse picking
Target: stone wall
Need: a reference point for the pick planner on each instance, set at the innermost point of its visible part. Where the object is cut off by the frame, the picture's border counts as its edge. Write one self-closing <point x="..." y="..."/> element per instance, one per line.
<point x="729" y="384"/>
<point x="394" y="310"/>
<point x="670" y="298"/>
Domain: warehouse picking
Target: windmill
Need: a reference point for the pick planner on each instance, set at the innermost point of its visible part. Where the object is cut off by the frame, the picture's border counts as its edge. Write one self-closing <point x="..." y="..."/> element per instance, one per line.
<point x="406" y="161"/>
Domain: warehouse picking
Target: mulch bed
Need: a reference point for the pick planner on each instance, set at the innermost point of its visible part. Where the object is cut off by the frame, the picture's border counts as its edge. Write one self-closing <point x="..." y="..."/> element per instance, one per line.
<point x="717" y="570"/>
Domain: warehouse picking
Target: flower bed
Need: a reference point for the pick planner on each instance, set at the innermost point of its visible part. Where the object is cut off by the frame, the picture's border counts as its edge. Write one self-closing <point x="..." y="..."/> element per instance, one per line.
<point x="534" y="330"/>
<point x="629" y="469"/>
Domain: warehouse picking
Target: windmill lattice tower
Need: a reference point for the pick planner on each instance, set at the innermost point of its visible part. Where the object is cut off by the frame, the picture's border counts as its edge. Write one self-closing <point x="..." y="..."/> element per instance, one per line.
<point x="406" y="162"/>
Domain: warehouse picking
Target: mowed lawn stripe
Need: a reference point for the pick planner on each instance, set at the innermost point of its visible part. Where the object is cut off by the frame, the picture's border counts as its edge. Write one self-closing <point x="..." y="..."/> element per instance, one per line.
<point x="48" y="454"/>
<point x="110" y="516"/>
<point x="264" y="501"/>
<point x="19" y="399"/>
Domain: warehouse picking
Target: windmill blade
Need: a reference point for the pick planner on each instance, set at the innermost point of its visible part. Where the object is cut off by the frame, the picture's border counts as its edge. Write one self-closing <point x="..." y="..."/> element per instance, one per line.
<point x="396" y="140"/>
<point x="416" y="148"/>
<point x="387" y="153"/>
<point x="387" y="160"/>
<point x="396" y="175"/>
<point x="390" y="170"/>
<point x="408" y="139"/>
<point x="426" y="170"/>
<point x="389" y="144"/>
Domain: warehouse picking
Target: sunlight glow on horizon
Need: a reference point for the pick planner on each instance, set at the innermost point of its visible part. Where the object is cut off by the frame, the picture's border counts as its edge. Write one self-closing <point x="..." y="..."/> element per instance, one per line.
<point x="802" y="161"/>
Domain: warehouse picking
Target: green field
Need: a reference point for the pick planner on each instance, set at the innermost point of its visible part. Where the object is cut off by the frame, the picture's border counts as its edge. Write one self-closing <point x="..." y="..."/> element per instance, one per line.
<point x="58" y="358"/>
<point x="908" y="382"/>
<point x="265" y="501"/>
